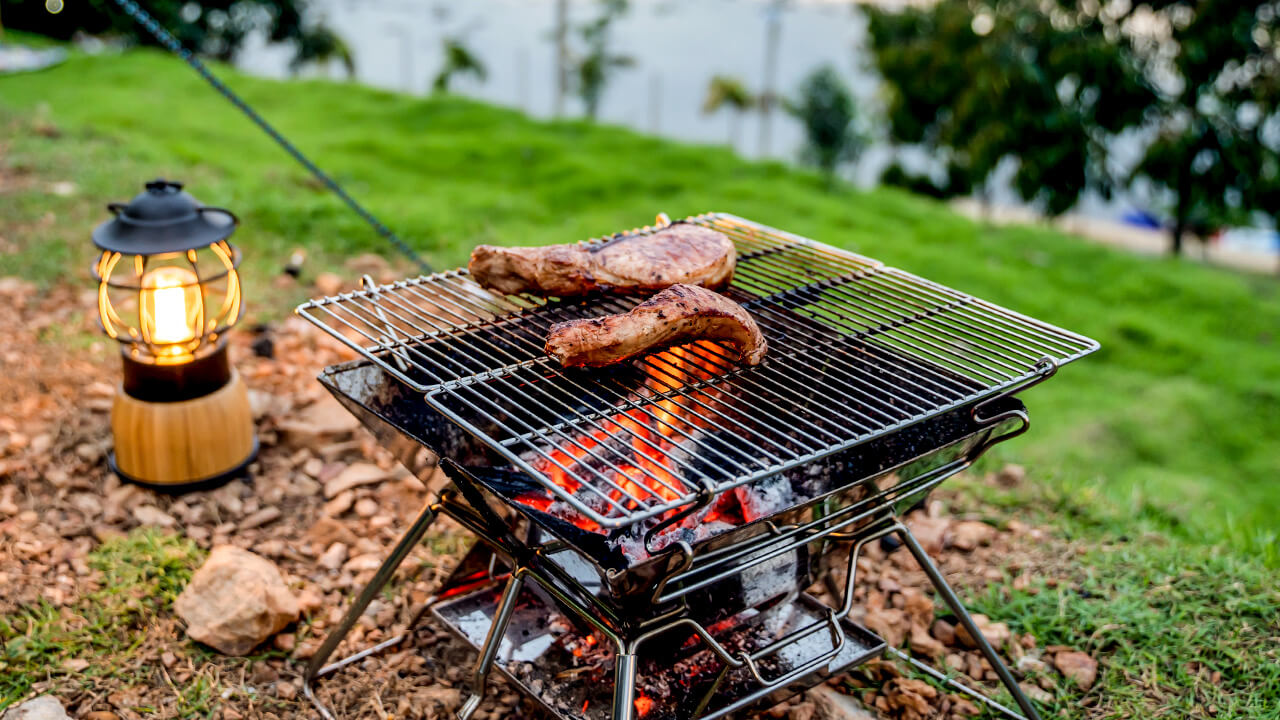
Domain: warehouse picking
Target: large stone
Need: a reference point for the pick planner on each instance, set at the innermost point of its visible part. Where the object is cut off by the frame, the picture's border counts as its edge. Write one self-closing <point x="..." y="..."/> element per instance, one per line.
<point x="45" y="707"/>
<point x="235" y="601"/>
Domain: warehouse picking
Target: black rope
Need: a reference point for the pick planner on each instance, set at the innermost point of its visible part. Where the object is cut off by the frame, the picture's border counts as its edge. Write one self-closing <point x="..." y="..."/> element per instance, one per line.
<point x="171" y="43"/>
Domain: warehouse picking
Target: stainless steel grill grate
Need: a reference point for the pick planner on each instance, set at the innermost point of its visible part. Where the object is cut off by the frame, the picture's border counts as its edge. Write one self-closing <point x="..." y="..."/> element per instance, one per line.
<point x="857" y="350"/>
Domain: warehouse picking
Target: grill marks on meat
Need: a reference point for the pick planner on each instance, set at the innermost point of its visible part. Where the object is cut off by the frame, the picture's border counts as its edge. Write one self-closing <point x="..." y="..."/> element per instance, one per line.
<point x="681" y="253"/>
<point x="679" y="314"/>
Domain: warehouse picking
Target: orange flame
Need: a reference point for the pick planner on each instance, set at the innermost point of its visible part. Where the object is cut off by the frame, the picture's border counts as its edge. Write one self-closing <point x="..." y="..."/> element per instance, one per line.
<point x="634" y="448"/>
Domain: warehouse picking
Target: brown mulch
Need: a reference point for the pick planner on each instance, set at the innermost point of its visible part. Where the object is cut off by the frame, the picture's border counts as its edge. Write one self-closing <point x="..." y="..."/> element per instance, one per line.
<point x="58" y="501"/>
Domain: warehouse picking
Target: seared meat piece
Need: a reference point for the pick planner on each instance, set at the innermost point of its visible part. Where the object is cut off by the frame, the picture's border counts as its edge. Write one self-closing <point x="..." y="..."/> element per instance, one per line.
<point x="679" y="314"/>
<point x="680" y="253"/>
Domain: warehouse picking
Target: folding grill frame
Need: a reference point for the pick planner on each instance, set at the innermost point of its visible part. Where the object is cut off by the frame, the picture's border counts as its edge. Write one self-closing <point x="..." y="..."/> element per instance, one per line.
<point x="990" y="404"/>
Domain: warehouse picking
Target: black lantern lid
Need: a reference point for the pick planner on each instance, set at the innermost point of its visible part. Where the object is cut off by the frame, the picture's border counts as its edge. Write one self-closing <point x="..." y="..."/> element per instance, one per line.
<point x="163" y="219"/>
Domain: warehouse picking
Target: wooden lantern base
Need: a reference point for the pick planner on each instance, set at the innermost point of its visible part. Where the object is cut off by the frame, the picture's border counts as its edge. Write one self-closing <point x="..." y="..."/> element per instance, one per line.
<point x="184" y="445"/>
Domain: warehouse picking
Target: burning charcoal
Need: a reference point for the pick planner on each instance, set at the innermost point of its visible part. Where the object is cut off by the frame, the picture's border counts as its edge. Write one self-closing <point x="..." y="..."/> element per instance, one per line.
<point x="764" y="497"/>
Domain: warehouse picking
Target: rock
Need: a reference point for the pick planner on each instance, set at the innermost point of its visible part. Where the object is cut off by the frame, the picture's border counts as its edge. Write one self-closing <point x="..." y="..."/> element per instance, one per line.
<point x="328" y="283"/>
<point x="996" y="633"/>
<point x="835" y="705"/>
<point x="45" y="707"/>
<point x="286" y="690"/>
<point x="1029" y="663"/>
<point x="360" y="563"/>
<point x="1011" y="475"/>
<point x="931" y="532"/>
<point x="328" y="531"/>
<point x="262" y="517"/>
<point x="922" y="643"/>
<point x="910" y="696"/>
<point x="1077" y="667"/>
<point x="333" y="558"/>
<point x="944" y="631"/>
<point x="1036" y="693"/>
<point x="888" y="623"/>
<point x="101" y="715"/>
<point x="802" y="711"/>
<point x="235" y="601"/>
<point x="918" y="607"/>
<point x="321" y="422"/>
<point x="447" y="698"/>
<point x="969" y="534"/>
<point x="339" y="504"/>
<point x="285" y="641"/>
<point x="149" y="515"/>
<point x="370" y="264"/>
<point x="366" y="507"/>
<point x="355" y="475"/>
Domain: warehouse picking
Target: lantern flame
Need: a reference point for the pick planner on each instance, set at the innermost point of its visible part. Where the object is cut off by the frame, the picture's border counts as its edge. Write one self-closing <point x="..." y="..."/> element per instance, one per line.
<point x="171" y="309"/>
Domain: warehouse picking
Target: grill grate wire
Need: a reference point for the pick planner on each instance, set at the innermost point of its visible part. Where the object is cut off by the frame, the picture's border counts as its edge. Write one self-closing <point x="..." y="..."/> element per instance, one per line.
<point x="857" y="350"/>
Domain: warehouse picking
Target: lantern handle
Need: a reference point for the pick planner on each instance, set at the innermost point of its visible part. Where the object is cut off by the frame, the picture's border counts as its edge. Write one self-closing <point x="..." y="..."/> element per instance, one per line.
<point x="235" y="221"/>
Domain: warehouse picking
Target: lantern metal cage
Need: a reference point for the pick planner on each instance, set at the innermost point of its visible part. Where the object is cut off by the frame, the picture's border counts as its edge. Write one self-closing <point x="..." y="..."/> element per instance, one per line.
<point x="169" y="308"/>
<point x="168" y="291"/>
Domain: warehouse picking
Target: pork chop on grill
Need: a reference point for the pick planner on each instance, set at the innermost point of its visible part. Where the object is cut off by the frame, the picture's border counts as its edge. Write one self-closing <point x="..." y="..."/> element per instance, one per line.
<point x="679" y="314"/>
<point x="681" y="253"/>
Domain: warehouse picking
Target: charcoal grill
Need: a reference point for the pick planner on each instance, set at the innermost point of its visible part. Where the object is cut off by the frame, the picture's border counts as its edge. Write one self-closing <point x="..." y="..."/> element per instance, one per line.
<point x="658" y="522"/>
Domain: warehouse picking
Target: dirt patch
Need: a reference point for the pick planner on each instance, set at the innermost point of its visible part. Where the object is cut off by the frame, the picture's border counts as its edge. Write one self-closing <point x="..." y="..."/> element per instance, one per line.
<point x="59" y="504"/>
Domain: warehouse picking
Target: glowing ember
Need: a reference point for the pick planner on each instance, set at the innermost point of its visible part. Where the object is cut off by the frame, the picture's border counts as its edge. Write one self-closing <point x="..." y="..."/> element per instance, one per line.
<point x="644" y="704"/>
<point x="637" y="458"/>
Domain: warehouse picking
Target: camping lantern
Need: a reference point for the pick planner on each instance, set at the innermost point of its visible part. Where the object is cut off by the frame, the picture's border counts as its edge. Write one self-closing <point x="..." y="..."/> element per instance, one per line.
<point x="168" y="292"/>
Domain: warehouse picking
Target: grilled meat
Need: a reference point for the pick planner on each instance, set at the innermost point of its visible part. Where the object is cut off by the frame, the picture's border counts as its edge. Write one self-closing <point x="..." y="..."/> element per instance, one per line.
<point x="680" y="253"/>
<point x="679" y="314"/>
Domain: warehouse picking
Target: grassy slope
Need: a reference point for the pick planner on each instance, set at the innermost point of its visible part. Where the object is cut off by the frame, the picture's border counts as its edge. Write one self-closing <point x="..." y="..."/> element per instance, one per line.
<point x="1172" y="422"/>
<point x="1170" y="427"/>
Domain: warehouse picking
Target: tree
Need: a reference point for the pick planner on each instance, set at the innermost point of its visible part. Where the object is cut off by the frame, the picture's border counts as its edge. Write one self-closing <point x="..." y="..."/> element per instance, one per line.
<point x="599" y="63"/>
<point x="976" y="85"/>
<point x="829" y="114"/>
<point x="1216" y="150"/>
<point x="321" y="45"/>
<point x="725" y="91"/>
<point x="458" y="60"/>
<point x="1050" y="84"/>
<point x="216" y="28"/>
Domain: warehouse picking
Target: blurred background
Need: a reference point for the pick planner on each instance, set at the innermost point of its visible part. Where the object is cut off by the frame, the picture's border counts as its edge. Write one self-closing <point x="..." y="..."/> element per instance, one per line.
<point x="1124" y="120"/>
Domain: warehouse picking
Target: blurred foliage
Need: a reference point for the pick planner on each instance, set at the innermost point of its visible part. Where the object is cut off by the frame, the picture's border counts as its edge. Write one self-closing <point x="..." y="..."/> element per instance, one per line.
<point x="827" y="109"/>
<point x="1051" y="83"/>
<point x="598" y="63"/>
<point x="216" y="28"/>
<point x="725" y="91"/>
<point x="458" y="60"/>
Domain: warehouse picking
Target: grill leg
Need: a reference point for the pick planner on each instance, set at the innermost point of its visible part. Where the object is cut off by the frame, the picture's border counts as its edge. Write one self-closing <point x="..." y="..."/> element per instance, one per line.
<point x="957" y="607"/>
<point x="316" y="667"/>
<point x="480" y="675"/>
<point x="624" y="686"/>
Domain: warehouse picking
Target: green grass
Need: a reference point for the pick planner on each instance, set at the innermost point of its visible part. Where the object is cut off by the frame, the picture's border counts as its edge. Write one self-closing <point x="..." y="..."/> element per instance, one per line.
<point x="1162" y="620"/>
<point x="1173" y="424"/>
<point x="1170" y="431"/>
<point x="141" y="575"/>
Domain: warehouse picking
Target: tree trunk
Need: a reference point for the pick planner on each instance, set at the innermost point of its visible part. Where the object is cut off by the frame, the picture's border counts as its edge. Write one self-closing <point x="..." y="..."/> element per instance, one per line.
<point x="562" y="56"/>
<point x="773" y="31"/>
<point x="1182" y="208"/>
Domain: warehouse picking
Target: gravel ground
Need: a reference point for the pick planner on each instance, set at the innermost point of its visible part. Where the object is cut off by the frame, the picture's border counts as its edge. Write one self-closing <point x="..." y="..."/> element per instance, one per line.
<point x="62" y="512"/>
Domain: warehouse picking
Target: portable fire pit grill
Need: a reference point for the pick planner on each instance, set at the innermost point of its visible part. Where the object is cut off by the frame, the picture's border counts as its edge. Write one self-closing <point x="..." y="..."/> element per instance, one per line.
<point x="649" y="531"/>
